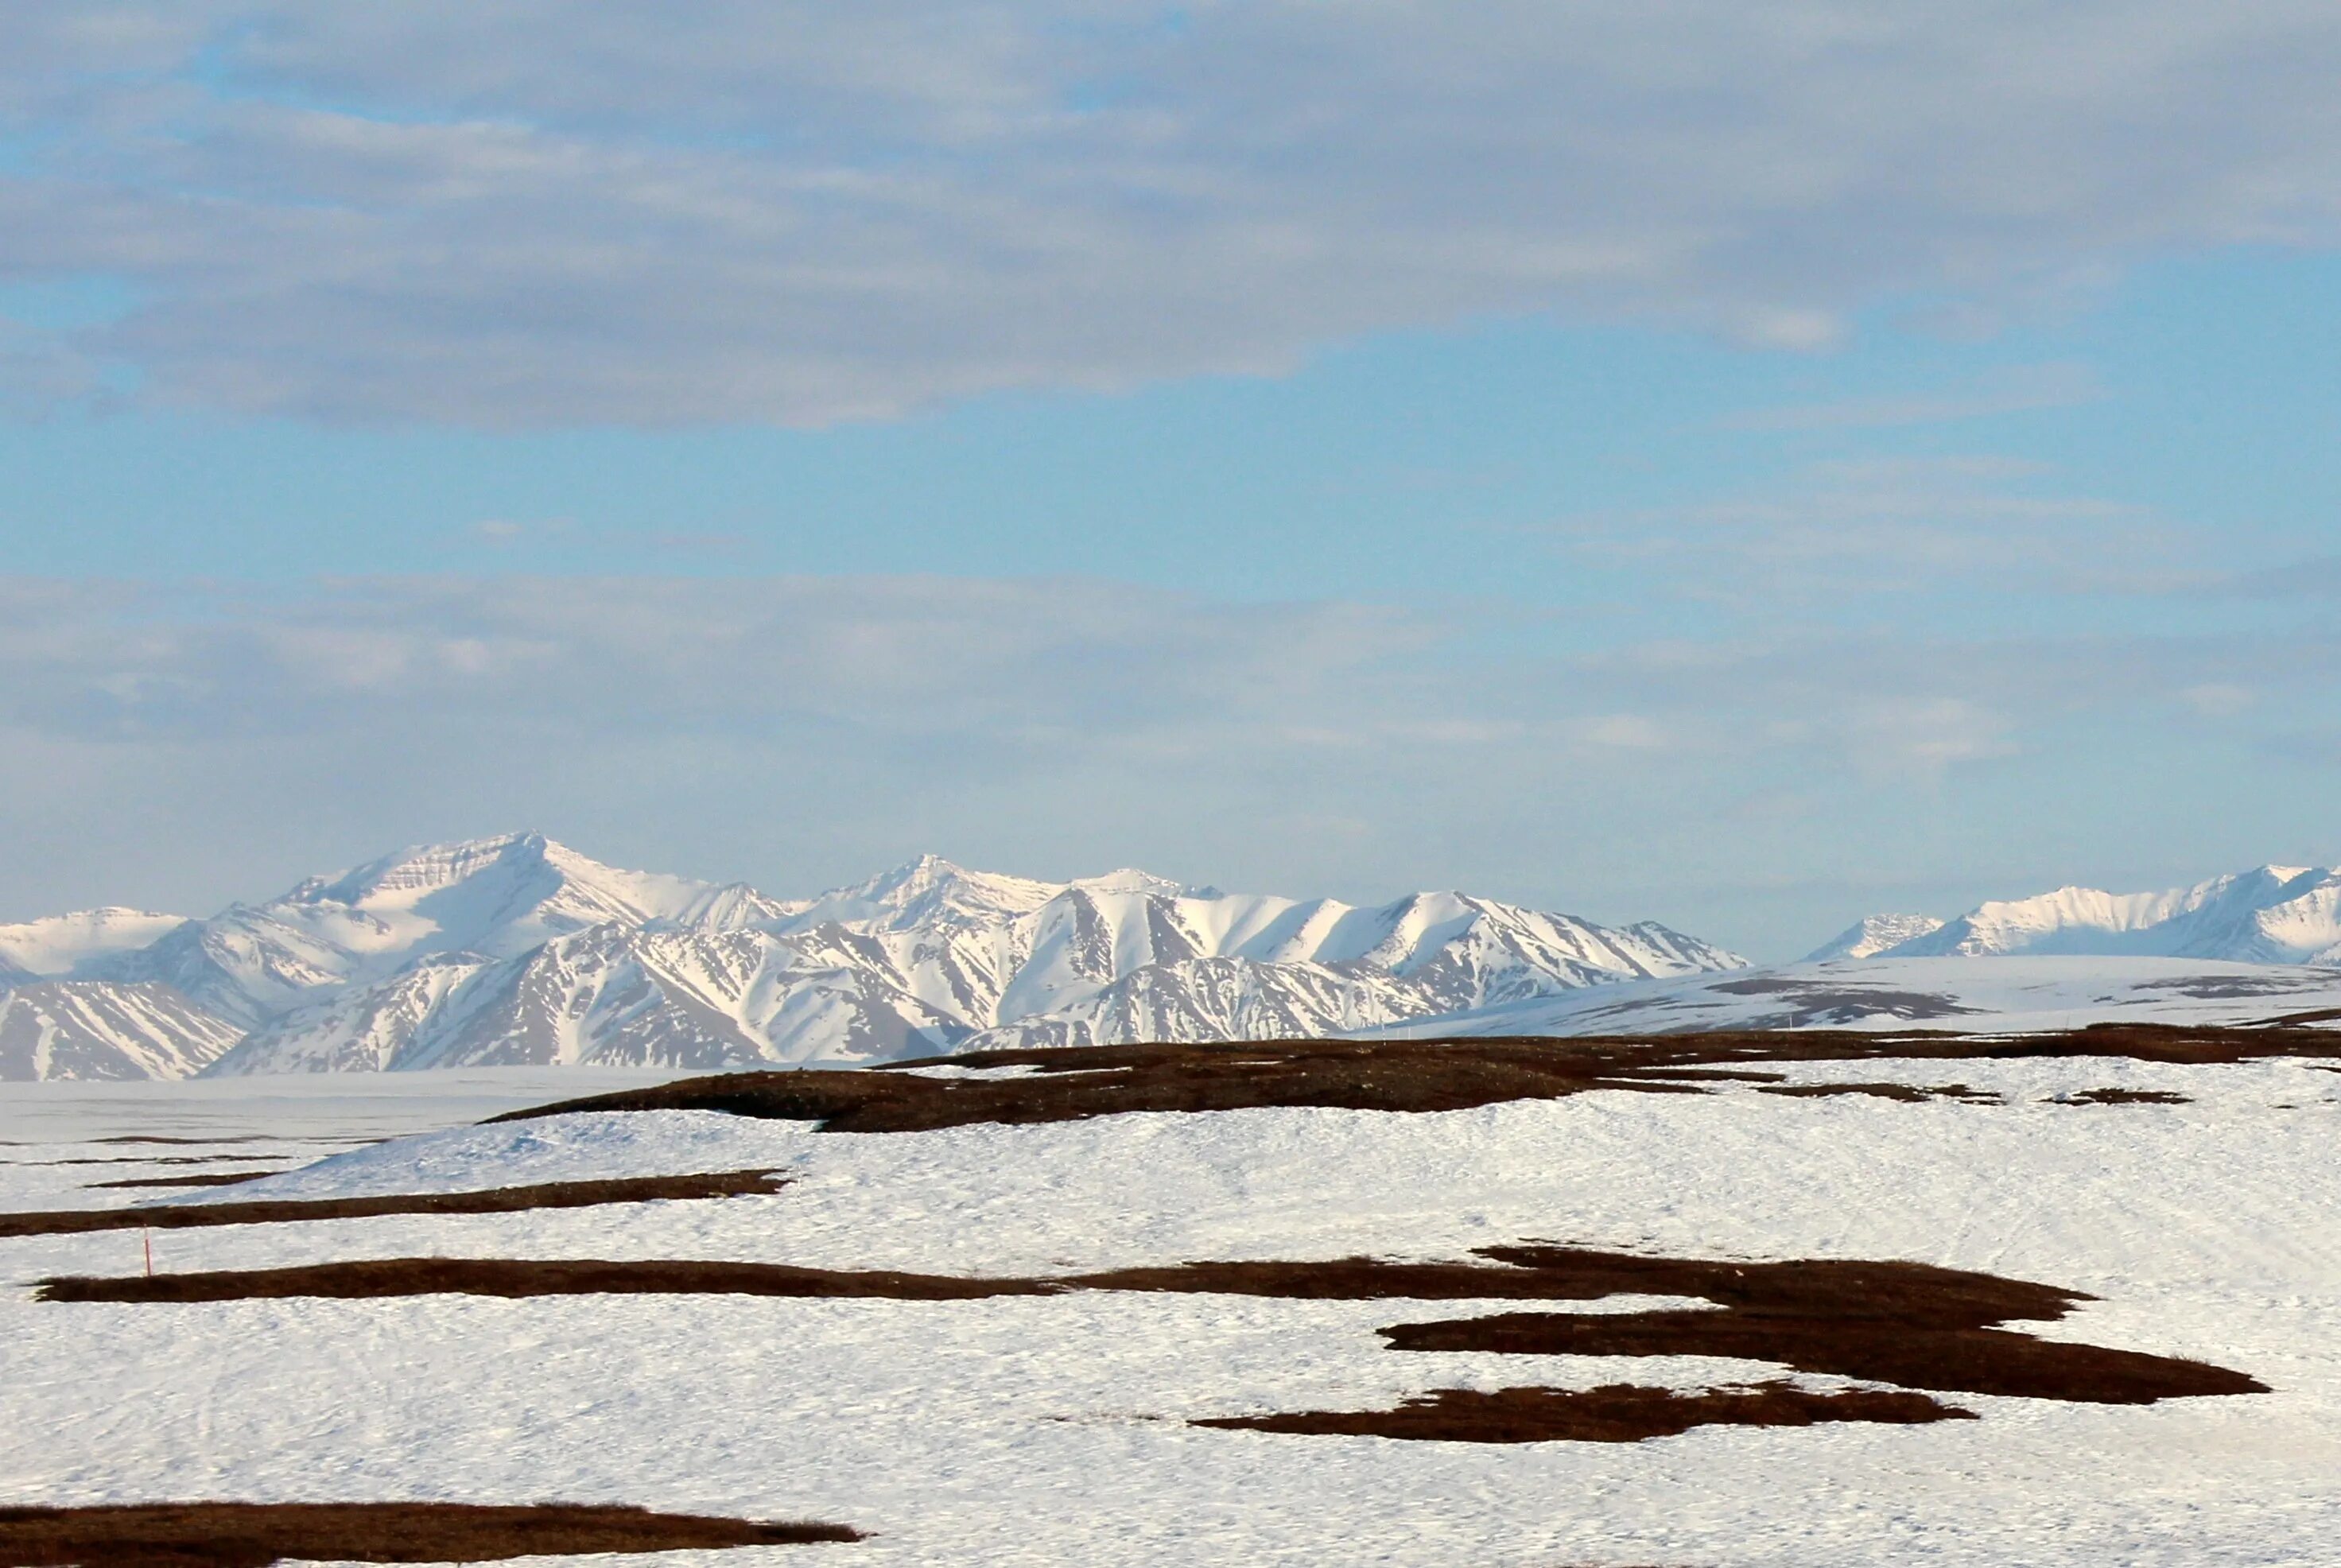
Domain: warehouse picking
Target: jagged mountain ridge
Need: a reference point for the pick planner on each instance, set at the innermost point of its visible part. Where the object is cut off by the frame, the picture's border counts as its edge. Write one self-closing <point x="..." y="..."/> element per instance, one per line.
<point x="54" y="946"/>
<point x="518" y="949"/>
<point x="2271" y="914"/>
<point x="86" y="1029"/>
<point x="498" y="898"/>
<point x="1872" y="935"/>
<point x="935" y="960"/>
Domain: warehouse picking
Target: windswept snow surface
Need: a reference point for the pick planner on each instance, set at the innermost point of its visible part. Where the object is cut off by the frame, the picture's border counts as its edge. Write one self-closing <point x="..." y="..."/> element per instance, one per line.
<point x="1051" y="1430"/>
<point x="56" y="1137"/>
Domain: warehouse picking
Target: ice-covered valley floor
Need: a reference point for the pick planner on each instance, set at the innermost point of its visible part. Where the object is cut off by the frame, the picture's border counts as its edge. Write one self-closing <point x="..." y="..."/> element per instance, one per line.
<point x="1053" y="1429"/>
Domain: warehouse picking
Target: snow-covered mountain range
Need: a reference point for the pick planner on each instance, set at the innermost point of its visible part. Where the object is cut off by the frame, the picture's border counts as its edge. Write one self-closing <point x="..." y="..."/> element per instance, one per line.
<point x="2274" y="915"/>
<point x="520" y="950"/>
<point x="2260" y="944"/>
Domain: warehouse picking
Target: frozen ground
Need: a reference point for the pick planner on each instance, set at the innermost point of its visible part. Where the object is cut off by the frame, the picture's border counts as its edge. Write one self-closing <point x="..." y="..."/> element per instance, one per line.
<point x="1989" y="995"/>
<point x="58" y="1139"/>
<point x="1051" y="1430"/>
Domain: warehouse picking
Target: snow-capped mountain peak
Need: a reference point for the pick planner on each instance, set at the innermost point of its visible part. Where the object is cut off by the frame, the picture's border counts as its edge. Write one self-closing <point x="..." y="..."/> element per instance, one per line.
<point x="404" y="878"/>
<point x="519" y="949"/>
<point x="2272" y="914"/>
<point x="1872" y="935"/>
<point x="478" y="887"/>
<point x="57" y="945"/>
<point x="927" y="891"/>
<point x="1130" y="879"/>
<point x="498" y="898"/>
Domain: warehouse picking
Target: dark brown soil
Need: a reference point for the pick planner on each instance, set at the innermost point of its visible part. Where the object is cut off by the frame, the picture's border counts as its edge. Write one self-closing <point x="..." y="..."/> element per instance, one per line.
<point x="1903" y="1323"/>
<point x="1616" y="1413"/>
<point x="214" y="1178"/>
<point x="255" y="1535"/>
<point x="495" y="1200"/>
<point x="1073" y="1083"/>
<point x="155" y="1160"/>
<point x="1899" y="1323"/>
<point x="519" y="1277"/>
<point x="1964" y="1361"/>
<point x="1909" y="1093"/>
<point x="2123" y="1097"/>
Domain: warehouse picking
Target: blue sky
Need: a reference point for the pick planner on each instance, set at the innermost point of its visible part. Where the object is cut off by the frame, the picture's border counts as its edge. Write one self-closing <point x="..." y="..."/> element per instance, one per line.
<point x="1747" y="481"/>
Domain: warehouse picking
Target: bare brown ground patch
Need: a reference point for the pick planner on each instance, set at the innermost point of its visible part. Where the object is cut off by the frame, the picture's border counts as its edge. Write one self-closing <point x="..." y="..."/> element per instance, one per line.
<point x="255" y="1535"/>
<point x="379" y="1278"/>
<point x="1614" y="1412"/>
<point x="2123" y="1097"/>
<point x="152" y="1160"/>
<point x="1909" y="1094"/>
<point x="211" y="1178"/>
<point x="1073" y="1083"/>
<point x="1900" y="1323"/>
<point x="493" y="1200"/>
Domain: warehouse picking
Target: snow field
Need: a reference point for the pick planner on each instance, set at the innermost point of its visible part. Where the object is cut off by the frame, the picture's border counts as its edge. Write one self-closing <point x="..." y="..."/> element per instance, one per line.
<point x="1049" y="1430"/>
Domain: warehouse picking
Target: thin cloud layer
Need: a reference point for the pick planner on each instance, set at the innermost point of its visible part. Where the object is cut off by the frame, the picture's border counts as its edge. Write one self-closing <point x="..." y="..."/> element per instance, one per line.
<point x="945" y="662"/>
<point x="176" y="745"/>
<point x="555" y="213"/>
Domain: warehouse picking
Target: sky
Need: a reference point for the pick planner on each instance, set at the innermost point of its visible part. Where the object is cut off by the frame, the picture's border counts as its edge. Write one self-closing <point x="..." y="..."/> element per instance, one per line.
<point x="1745" y="467"/>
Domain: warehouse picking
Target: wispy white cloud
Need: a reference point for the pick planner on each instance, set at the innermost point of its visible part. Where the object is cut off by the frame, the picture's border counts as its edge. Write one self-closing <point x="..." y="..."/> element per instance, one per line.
<point x="1854" y="536"/>
<point x="807" y="728"/>
<point x="580" y="211"/>
<point x="2015" y="392"/>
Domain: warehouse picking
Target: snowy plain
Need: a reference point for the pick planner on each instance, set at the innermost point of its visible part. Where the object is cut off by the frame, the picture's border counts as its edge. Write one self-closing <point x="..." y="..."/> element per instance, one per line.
<point x="1051" y="1430"/>
<point x="1987" y="996"/>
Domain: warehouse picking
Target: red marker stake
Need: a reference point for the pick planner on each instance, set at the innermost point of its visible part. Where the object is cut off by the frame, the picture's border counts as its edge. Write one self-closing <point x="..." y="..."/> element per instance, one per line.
<point x="148" y="1237"/>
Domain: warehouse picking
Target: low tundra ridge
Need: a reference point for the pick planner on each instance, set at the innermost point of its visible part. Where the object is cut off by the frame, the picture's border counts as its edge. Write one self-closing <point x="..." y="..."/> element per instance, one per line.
<point x="1400" y="1074"/>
